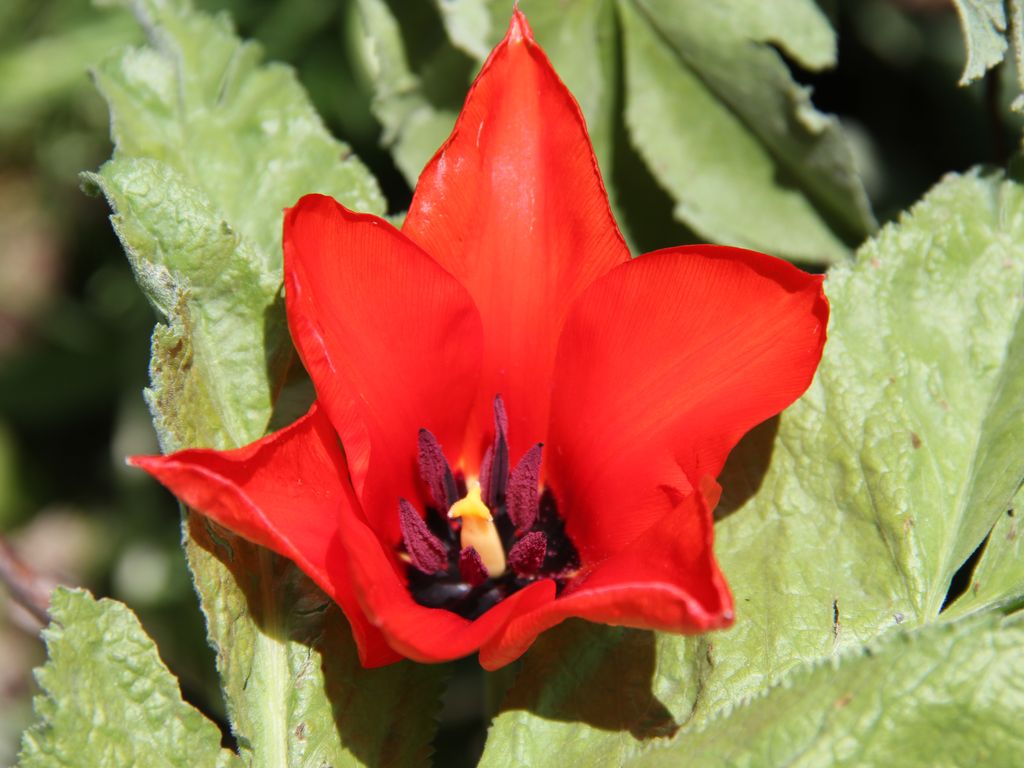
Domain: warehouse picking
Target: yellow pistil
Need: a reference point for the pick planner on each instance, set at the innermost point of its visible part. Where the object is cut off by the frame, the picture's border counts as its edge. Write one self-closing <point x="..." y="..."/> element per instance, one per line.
<point x="478" y="531"/>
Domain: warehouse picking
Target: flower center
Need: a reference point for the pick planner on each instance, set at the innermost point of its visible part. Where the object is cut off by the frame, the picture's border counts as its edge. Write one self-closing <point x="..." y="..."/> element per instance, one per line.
<point x="477" y="545"/>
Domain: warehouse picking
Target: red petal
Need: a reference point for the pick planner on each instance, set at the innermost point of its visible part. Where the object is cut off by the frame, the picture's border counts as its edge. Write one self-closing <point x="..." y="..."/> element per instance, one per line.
<point x="283" y="492"/>
<point x="665" y="580"/>
<point x="422" y="634"/>
<point x="663" y="365"/>
<point x="391" y="340"/>
<point x="514" y="207"/>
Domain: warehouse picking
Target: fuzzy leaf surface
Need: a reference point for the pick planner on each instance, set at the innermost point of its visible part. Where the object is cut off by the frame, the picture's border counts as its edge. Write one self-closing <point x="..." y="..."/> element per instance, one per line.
<point x="943" y="695"/>
<point x="991" y="28"/>
<point x="101" y="662"/>
<point x="984" y="27"/>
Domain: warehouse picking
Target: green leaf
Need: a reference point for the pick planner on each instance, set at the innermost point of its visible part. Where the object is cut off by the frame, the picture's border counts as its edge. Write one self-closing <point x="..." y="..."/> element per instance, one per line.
<point x="998" y="578"/>
<point x="296" y="692"/>
<point x="984" y="26"/>
<point x="710" y="107"/>
<point x="415" y="116"/>
<point x="218" y="363"/>
<point x="724" y="128"/>
<point x="199" y="100"/>
<point x="211" y="145"/>
<point x="989" y="27"/>
<point x="850" y="514"/>
<point x="469" y="25"/>
<point x="944" y="695"/>
<point x="108" y="700"/>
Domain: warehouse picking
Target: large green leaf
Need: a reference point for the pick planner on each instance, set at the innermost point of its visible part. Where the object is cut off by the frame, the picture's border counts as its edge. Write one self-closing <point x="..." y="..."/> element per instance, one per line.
<point x="108" y="700"/>
<point x="850" y="515"/>
<point x="210" y="147"/>
<point x="711" y="108"/>
<point x="944" y="695"/>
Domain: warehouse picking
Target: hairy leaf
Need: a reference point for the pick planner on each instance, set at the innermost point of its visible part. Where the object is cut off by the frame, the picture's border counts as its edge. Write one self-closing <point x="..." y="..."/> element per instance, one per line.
<point x="944" y="695"/>
<point x="984" y="27"/>
<point x="108" y="700"/>
<point x="850" y="514"/>
<point x="211" y="145"/>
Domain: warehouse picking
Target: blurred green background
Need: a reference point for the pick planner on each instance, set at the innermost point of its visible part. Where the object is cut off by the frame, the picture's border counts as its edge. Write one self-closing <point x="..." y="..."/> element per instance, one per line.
<point x="74" y="330"/>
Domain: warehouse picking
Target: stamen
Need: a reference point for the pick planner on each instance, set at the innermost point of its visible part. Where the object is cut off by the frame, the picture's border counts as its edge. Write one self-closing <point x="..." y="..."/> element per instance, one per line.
<point x="497" y="474"/>
<point x="521" y="496"/>
<point x="500" y="416"/>
<point x="478" y="530"/>
<point x="471" y="567"/>
<point x="527" y="556"/>
<point x="435" y="471"/>
<point x="425" y="550"/>
<point x="509" y="533"/>
<point x="485" y="468"/>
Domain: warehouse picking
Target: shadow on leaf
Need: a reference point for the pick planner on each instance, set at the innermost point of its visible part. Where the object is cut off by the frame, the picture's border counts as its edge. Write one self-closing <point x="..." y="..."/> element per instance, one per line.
<point x="335" y="705"/>
<point x="745" y="469"/>
<point x="610" y="685"/>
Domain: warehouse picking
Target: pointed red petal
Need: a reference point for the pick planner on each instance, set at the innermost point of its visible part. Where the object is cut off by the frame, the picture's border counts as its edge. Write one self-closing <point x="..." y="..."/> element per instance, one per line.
<point x="283" y="492"/>
<point x="663" y="365"/>
<point x="665" y="580"/>
<point x="391" y="340"/>
<point x="514" y="207"/>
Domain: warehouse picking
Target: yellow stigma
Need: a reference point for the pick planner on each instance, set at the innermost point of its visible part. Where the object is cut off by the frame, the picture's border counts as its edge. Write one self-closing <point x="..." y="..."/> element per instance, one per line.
<point x="478" y="530"/>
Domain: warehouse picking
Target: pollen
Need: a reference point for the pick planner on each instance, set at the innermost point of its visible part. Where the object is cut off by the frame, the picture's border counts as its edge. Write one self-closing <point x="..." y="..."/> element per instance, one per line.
<point x="478" y="530"/>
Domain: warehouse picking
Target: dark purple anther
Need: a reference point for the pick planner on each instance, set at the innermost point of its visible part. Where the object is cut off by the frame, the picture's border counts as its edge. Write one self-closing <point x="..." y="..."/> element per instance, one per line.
<point x="425" y="550"/>
<point x="435" y="472"/>
<point x="500" y="417"/>
<point x="527" y="555"/>
<point x="497" y="469"/>
<point x="521" y="496"/>
<point x="485" y="472"/>
<point x="471" y="567"/>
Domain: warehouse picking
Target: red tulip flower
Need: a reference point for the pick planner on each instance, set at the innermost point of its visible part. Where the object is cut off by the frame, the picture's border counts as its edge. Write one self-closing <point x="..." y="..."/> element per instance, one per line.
<point x="516" y="422"/>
